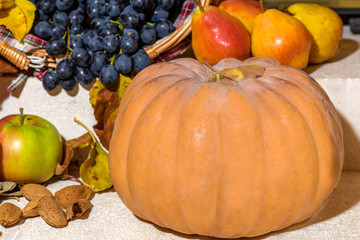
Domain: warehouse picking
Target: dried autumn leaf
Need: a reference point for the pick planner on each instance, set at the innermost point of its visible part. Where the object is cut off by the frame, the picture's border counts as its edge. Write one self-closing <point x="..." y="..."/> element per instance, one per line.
<point x="6" y="4"/>
<point x="105" y="104"/>
<point x="10" y="214"/>
<point x="76" y="150"/>
<point x="9" y="189"/>
<point x="18" y="18"/>
<point x="124" y="82"/>
<point x="95" y="170"/>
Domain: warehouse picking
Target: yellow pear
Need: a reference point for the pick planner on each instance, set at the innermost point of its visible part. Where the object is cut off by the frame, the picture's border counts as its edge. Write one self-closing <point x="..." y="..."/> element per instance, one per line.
<point x="325" y="26"/>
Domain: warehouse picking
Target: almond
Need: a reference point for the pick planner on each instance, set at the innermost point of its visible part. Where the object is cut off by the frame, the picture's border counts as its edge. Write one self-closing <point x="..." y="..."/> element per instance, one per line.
<point x="30" y="210"/>
<point x="78" y="209"/>
<point x="10" y="214"/>
<point x="33" y="191"/>
<point x="69" y="194"/>
<point x="51" y="212"/>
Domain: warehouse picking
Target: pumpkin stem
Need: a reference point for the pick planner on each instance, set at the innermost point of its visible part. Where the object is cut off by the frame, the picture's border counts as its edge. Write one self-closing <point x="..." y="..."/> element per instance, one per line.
<point x="236" y="74"/>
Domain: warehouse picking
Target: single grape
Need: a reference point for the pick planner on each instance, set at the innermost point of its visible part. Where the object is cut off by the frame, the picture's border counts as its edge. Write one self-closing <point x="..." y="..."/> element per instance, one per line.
<point x="81" y="57"/>
<point x="76" y="16"/>
<point x="83" y="76"/>
<point x="64" y="5"/>
<point x="114" y="8"/>
<point x="148" y="34"/>
<point x="98" y="60"/>
<point x="86" y="35"/>
<point x="96" y="44"/>
<point x="163" y="27"/>
<point x="111" y="44"/>
<point x="128" y="44"/>
<point x="96" y="9"/>
<point x="130" y="18"/>
<point x="65" y="68"/>
<point x="140" y="60"/>
<point x="43" y="16"/>
<point x="159" y="13"/>
<point x="108" y="75"/>
<point x="55" y="46"/>
<point x="109" y="28"/>
<point x="123" y="63"/>
<point x="166" y="4"/>
<point x="57" y="30"/>
<point x="76" y="28"/>
<point x="131" y="32"/>
<point x="99" y="22"/>
<point x="68" y="84"/>
<point x="140" y="5"/>
<point x="61" y="18"/>
<point x="50" y="81"/>
<point x="42" y="30"/>
<point x="75" y="42"/>
<point x="47" y="6"/>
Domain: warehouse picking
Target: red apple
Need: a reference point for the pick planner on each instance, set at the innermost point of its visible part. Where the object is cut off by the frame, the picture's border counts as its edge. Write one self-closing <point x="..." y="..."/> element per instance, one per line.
<point x="30" y="148"/>
<point x="244" y="10"/>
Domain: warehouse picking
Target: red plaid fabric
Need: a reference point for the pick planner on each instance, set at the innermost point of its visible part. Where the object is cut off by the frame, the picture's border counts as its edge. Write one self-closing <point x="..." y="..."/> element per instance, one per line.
<point x="188" y="7"/>
<point x="29" y="43"/>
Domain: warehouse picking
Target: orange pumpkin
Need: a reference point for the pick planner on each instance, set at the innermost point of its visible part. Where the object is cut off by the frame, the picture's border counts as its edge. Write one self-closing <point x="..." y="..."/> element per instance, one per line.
<point x="225" y="158"/>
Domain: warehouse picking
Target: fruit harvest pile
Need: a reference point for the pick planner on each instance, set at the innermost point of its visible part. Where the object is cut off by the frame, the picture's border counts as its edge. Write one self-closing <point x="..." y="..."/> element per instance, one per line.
<point x="235" y="143"/>
<point x="100" y="38"/>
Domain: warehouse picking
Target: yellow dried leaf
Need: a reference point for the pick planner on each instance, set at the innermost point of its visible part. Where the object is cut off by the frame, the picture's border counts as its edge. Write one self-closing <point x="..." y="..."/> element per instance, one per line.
<point x="124" y="82"/>
<point x="6" y="4"/>
<point x="95" y="170"/>
<point x="18" y="18"/>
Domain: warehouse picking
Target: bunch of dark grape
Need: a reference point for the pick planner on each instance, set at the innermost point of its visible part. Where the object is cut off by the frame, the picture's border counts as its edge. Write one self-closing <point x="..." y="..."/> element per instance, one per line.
<point x="100" y="38"/>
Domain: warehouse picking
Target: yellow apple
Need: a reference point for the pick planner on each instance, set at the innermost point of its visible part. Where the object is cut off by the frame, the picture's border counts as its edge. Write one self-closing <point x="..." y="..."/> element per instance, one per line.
<point x="325" y="26"/>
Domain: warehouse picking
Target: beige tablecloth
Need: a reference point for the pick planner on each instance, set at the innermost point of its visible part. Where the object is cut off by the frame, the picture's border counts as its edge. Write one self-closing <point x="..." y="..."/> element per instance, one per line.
<point x="110" y="219"/>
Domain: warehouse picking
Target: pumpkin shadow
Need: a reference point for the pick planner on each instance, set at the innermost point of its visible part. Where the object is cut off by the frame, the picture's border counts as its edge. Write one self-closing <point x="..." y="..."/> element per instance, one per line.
<point x="348" y="47"/>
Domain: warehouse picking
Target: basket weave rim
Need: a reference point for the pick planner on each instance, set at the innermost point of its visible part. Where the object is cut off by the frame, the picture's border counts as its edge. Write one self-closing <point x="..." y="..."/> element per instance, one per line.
<point x="174" y="38"/>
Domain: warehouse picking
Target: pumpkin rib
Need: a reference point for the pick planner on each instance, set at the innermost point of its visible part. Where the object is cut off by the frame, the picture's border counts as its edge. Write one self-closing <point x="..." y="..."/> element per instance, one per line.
<point x="270" y="85"/>
<point x="323" y="102"/>
<point x="259" y="210"/>
<point x="255" y="231"/>
<point x="176" y="172"/>
<point x="276" y="116"/>
<point x="115" y="133"/>
<point x="137" y="125"/>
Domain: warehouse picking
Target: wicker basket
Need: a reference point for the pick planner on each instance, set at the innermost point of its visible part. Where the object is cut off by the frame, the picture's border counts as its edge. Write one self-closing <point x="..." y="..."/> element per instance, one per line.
<point x="23" y="61"/>
<point x="174" y="38"/>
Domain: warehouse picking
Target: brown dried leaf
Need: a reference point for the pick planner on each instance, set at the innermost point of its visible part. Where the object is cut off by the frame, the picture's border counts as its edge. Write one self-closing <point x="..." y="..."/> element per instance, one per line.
<point x="78" y="209"/>
<point x="76" y="150"/>
<point x="10" y="214"/>
<point x="51" y="212"/>
<point x="9" y="189"/>
<point x="105" y="104"/>
<point x="33" y="191"/>
<point x="69" y="194"/>
<point x="30" y="210"/>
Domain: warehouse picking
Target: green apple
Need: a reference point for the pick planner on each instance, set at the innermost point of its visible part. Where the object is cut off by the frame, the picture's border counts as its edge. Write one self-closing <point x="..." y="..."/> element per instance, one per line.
<point x="30" y="148"/>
